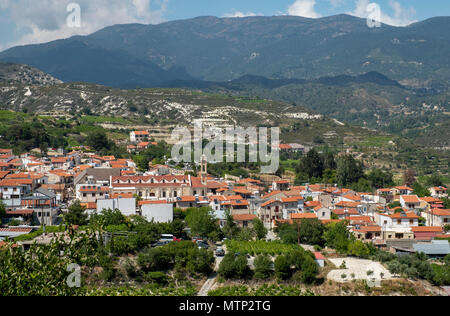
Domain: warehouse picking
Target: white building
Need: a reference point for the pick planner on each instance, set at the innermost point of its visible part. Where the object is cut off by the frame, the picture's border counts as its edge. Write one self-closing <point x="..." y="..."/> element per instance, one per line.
<point x="139" y="136"/>
<point x="438" y="217"/>
<point x="161" y="212"/>
<point x="127" y="206"/>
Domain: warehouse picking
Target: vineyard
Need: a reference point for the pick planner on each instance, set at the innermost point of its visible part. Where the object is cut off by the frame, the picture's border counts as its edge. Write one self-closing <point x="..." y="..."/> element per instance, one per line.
<point x="140" y="291"/>
<point x="259" y="247"/>
<point x="263" y="290"/>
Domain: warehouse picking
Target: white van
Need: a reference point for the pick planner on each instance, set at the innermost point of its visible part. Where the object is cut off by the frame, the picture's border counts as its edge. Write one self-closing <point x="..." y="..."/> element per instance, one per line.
<point x="166" y="237"/>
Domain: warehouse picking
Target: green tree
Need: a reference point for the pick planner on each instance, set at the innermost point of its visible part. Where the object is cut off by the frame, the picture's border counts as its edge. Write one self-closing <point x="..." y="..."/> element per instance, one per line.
<point x="246" y="234"/>
<point x="259" y="228"/>
<point x="263" y="266"/>
<point x="230" y="229"/>
<point x="108" y="217"/>
<point x="435" y="180"/>
<point x="282" y="266"/>
<point x="348" y="170"/>
<point x="234" y="266"/>
<point x="311" y="232"/>
<point x="420" y="190"/>
<point x="2" y="211"/>
<point x="312" y="164"/>
<point x="202" y="222"/>
<point x="337" y="236"/>
<point x="76" y="214"/>
<point x="98" y="141"/>
<point x="381" y="179"/>
<point x="358" y="249"/>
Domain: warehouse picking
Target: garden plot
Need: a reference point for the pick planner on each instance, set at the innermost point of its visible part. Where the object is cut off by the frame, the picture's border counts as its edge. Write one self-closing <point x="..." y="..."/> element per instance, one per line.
<point x="357" y="269"/>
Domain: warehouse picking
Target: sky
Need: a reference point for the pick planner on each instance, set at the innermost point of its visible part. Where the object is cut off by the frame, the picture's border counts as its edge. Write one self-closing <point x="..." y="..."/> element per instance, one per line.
<point x="38" y="21"/>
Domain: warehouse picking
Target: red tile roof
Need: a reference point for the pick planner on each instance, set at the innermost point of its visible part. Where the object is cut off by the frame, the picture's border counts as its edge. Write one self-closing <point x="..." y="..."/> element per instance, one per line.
<point x="436" y="229"/>
<point x="244" y="217"/>
<point x="303" y="215"/>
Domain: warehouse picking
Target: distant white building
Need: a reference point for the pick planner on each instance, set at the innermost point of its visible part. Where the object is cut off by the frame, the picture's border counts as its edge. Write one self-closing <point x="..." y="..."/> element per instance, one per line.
<point x="127" y="206"/>
<point x="139" y="136"/>
<point x="158" y="212"/>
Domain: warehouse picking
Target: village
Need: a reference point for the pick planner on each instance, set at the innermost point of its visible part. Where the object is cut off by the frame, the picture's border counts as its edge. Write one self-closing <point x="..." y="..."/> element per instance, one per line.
<point x="37" y="192"/>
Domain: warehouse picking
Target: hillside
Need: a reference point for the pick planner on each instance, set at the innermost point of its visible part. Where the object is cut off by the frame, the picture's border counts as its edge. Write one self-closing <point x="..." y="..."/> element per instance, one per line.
<point x="371" y="100"/>
<point x="77" y="109"/>
<point x="221" y="49"/>
<point x="25" y="74"/>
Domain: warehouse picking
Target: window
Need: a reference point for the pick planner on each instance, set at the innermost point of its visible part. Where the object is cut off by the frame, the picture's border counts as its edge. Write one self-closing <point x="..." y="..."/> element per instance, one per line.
<point x="411" y="221"/>
<point x="399" y="221"/>
<point x="323" y="214"/>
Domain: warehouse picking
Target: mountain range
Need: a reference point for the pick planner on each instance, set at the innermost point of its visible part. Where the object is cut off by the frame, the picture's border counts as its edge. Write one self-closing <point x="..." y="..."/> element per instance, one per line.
<point x="222" y="49"/>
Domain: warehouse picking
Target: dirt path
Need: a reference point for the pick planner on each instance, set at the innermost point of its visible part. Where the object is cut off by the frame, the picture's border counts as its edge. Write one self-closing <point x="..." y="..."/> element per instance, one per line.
<point x="206" y="287"/>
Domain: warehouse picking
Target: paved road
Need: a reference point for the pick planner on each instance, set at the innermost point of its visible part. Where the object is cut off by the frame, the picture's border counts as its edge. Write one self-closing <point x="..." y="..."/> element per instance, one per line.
<point x="212" y="278"/>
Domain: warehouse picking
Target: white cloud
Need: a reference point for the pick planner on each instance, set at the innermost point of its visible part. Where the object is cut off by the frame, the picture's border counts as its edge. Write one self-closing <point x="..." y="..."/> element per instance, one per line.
<point x="45" y="20"/>
<point x="304" y="8"/>
<point x="239" y="14"/>
<point x="402" y="16"/>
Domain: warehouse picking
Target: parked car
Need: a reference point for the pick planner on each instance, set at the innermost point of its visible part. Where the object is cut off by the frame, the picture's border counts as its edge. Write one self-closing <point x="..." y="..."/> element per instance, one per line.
<point x="161" y="243"/>
<point x="220" y="252"/>
<point x="202" y="244"/>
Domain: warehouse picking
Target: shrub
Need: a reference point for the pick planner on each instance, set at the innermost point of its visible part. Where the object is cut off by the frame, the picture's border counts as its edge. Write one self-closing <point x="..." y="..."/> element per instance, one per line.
<point x="180" y="255"/>
<point x="358" y="249"/>
<point x="282" y="267"/>
<point x="234" y="267"/>
<point x="263" y="267"/>
<point x="158" y="277"/>
<point x="309" y="270"/>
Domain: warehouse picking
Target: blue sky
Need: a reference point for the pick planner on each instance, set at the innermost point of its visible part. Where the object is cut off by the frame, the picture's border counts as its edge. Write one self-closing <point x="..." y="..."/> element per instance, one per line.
<point x="37" y="21"/>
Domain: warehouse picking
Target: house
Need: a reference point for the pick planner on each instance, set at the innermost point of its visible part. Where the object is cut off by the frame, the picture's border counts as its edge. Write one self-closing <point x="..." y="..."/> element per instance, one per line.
<point x="322" y="213"/>
<point x="410" y="202"/>
<point x="139" y="136"/>
<point x="426" y="232"/>
<point x="61" y="191"/>
<point x="345" y="213"/>
<point x="402" y="190"/>
<point x="96" y="176"/>
<point x="280" y="185"/>
<point x="320" y="259"/>
<point x="271" y="211"/>
<point x="15" y="188"/>
<point x="438" y="217"/>
<point x="366" y="233"/>
<point x="185" y="202"/>
<point x="402" y="220"/>
<point x="244" y="220"/>
<point x="291" y="205"/>
<point x="44" y="204"/>
<point x="439" y="192"/>
<point x="91" y="192"/>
